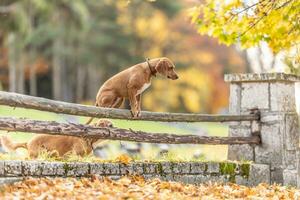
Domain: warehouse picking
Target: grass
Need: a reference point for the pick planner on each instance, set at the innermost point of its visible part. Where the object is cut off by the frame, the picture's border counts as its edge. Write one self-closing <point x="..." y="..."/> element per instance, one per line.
<point x="176" y="152"/>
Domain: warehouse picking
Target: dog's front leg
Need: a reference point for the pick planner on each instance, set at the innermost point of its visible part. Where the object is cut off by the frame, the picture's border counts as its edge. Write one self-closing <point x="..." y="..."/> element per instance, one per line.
<point x="133" y="102"/>
<point x="138" y="105"/>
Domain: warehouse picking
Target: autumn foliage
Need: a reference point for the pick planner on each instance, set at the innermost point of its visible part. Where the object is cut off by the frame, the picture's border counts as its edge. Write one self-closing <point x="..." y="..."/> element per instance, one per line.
<point x="137" y="188"/>
<point x="250" y="22"/>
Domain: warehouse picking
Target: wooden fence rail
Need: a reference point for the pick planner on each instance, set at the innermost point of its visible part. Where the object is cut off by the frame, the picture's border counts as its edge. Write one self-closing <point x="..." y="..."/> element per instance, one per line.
<point x="43" y="104"/>
<point x="56" y="128"/>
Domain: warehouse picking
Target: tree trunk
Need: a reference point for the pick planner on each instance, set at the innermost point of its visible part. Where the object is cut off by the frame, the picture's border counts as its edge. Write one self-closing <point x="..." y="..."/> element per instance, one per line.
<point x="248" y="65"/>
<point x="56" y="70"/>
<point x="57" y="58"/>
<point x="12" y="57"/>
<point x="56" y="128"/>
<point x="32" y="80"/>
<point x="21" y="75"/>
<point x="32" y="56"/>
<point x="93" y="82"/>
<point x="80" y="83"/>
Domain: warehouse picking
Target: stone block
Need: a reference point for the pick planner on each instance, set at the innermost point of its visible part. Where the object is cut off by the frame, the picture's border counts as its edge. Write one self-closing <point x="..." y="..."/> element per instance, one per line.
<point x="213" y="168"/>
<point x="255" y="95"/>
<point x="241" y="180"/>
<point x="271" y="149"/>
<point x="235" y="98"/>
<point x="52" y="168"/>
<point x="188" y="179"/>
<point x="201" y="179"/>
<point x="166" y="167"/>
<point x="150" y="168"/>
<point x="126" y="169"/>
<point x="259" y="173"/>
<point x="261" y="77"/>
<point x="218" y="179"/>
<point x="76" y="169"/>
<point x="238" y="131"/>
<point x="151" y="176"/>
<point x="167" y="177"/>
<point x="277" y="175"/>
<point x="272" y="117"/>
<point x="198" y="168"/>
<point x="114" y="177"/>
<point x="181" y="168"/>
<point x="290" y="177"/>
<point x="289" y="159"/>
<point x="32" y="168"/>
<point x="291" y="133"/>
<point x="97" y="169"/>
<point x="282" y="96"/>
<point x="13" y="168"/>
<point x="2" y="165"/>
<point x="10" y="180"/>
<point x="240" y="152"/>
<point x="138" y="168"/>
<point x="111" y="168"/>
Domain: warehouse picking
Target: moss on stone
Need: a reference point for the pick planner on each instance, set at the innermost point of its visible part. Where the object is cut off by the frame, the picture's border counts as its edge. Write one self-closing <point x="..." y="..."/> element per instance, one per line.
<point x="227" y="168"/>
<point x="67" y="167"/>
<point x="245" y="170"/>
<point x="160" y="169"/>
<point x="205" y="167"/>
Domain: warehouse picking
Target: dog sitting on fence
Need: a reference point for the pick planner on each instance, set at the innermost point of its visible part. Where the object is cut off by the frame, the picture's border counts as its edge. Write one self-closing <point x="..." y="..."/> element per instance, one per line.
<point x="56" y="145"/>
<point x="131" y="82"/>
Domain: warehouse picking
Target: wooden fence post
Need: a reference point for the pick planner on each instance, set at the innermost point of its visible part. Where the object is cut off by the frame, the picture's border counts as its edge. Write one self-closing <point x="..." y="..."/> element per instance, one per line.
<point x="274" y="95"/>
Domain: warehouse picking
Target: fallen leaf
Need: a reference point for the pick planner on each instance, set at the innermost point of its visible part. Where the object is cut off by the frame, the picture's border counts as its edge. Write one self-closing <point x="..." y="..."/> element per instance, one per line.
<point x="125" y="159"/>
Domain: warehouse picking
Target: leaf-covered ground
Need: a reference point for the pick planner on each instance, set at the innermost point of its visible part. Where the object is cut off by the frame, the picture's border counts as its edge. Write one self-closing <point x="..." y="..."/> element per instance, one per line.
<point x="138" y="188"/>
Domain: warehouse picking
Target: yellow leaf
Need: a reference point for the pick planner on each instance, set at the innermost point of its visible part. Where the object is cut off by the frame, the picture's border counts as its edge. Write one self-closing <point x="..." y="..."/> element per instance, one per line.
<point x="125" y="159"/>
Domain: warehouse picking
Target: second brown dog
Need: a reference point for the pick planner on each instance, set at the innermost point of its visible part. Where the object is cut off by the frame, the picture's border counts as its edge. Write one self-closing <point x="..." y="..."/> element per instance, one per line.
<point x="56" y="145"/>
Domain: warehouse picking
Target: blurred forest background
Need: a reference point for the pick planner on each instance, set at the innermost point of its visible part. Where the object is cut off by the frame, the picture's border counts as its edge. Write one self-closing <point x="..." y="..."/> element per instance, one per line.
<point x="66" y="49"/>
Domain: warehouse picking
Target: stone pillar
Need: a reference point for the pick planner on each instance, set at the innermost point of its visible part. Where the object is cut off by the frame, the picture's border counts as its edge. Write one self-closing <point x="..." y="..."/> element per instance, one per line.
<point x="274" y="95"/>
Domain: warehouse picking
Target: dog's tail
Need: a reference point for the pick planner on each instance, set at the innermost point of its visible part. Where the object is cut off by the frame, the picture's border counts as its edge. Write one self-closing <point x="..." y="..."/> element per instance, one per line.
<point x="91" y="119"/>
<point x="9" y="145"/>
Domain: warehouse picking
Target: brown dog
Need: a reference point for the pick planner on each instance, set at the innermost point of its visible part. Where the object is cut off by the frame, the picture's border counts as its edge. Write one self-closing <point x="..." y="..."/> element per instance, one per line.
<point x="131" y="82"/>
<point x="57" y="145"/>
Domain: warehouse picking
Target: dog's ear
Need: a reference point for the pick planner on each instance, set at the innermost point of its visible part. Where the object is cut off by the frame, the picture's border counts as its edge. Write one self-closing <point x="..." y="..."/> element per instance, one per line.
<point x="162" y="66"/>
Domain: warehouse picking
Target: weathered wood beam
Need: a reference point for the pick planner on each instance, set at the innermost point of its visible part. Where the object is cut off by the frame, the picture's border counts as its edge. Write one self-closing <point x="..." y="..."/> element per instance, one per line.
<point x="56" y="128"/>
<point x="43" y="104"/>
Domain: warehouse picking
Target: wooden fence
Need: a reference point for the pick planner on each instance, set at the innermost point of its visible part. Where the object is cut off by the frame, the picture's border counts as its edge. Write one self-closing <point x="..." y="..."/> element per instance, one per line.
<point x="51" y="127"/>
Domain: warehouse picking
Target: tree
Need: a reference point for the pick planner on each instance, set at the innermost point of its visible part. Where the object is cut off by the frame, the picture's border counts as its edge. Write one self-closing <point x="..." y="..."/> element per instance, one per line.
<point x="237" y="21"/>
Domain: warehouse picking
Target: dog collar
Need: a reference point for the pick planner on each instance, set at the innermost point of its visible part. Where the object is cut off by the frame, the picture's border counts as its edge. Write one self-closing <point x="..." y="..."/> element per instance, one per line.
<point x="153" y="73"/>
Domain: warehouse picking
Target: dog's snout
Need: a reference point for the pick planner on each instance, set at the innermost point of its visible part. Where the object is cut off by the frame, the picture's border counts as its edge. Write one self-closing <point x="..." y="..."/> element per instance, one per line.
<point x="176" y="77"/>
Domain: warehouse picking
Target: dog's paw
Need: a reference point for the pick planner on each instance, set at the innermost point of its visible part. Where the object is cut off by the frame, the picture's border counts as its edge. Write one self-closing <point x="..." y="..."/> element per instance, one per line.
<point x="138" y="114"/>
<point x="135" y="116"/>
<point x="132" y="113"/>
